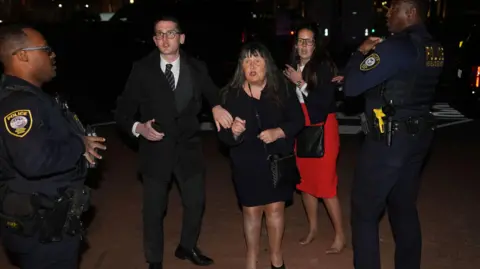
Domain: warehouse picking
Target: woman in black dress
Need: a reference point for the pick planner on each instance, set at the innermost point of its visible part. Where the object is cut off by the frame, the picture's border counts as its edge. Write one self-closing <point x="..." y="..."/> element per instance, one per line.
<point x="258" y="88"/>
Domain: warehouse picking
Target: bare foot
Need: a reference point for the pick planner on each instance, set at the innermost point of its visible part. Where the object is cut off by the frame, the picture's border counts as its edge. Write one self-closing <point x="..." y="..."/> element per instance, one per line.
<point x="307" y="240"/>
<point x="337" y="246"/>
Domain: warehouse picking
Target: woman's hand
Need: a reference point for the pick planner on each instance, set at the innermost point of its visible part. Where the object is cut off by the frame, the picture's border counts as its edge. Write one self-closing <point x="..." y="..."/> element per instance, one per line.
<point x="238" y="127"/>
<point x="271" y="135"/>
<point x="292" y="74"/>
<point x="338" y="79"/>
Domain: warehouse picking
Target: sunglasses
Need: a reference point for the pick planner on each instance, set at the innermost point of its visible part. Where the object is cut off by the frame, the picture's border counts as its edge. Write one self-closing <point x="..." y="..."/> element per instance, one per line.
<point x="47" y="49"/>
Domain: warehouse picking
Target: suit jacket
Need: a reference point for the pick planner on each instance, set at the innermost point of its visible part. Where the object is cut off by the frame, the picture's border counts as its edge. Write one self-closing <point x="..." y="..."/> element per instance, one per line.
<point x="147" y="96"/>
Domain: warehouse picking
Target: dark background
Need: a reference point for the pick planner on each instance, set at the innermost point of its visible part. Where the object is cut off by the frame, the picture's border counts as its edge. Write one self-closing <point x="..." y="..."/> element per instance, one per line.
<point x="94" y="57"/>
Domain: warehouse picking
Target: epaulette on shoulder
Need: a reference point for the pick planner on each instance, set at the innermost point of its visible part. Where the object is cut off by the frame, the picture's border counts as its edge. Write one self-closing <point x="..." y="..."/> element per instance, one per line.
<point x="8" y="90"/>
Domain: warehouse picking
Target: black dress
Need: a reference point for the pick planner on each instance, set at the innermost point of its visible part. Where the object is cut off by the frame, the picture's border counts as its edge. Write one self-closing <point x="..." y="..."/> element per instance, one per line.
<point x="251" y="173"/>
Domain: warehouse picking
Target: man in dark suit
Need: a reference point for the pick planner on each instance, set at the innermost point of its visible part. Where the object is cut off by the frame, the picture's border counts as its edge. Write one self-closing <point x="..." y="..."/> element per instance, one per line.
<point x="166" y="88"/>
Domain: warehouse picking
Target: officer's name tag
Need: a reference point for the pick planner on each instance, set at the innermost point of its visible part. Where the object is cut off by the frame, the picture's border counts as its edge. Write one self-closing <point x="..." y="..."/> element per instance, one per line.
<point x="434" y="56"/>
<point x="370" y="62"/>
<point x="18" y="123"/>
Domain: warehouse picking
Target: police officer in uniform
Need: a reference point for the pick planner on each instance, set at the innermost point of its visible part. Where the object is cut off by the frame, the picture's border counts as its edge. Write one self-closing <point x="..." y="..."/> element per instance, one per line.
<point x="398" y="77"/>
<point x="43" y="158"/>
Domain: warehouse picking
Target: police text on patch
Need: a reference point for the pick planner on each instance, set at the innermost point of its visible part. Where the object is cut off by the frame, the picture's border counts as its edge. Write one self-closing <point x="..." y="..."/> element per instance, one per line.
<point x="18" y="123"/>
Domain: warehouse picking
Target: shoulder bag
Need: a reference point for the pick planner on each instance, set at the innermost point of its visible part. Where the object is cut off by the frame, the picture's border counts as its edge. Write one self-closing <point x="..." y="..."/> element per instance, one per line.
<point x="283" y="167"/>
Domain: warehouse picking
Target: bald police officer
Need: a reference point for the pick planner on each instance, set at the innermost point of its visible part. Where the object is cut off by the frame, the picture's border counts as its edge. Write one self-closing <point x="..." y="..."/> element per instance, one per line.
<point x="398" y="78"/>
<point x="43" y="155"/>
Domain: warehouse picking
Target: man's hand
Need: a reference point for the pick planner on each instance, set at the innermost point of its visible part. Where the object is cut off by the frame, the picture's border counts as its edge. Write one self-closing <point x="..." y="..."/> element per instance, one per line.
<point x="369" y="44"/>
<point x="271" y="135"/>
<point x="147" y="131"/>
<point x="238" y="127"/>
<point x="222" y="117"/>
<point x="91" y="144"/>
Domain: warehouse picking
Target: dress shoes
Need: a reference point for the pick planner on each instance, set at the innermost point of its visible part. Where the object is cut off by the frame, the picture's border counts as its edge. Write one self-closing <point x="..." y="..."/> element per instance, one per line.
<point x="194" y="255"/>
<point x="155" y="266"/>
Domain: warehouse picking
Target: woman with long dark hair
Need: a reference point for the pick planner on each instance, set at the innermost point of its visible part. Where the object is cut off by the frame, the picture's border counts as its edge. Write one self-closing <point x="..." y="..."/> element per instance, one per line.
<point x="266" y="120"/>
<point x="311" y="72"/>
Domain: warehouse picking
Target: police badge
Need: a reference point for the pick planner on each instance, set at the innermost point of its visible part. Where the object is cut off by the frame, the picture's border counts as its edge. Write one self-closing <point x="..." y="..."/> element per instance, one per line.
<point x="370" y="62"/>
<point x="19" y="123"/>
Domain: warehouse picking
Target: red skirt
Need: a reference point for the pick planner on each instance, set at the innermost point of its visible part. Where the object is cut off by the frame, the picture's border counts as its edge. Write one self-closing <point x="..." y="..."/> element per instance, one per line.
<point x="319" y="175"/>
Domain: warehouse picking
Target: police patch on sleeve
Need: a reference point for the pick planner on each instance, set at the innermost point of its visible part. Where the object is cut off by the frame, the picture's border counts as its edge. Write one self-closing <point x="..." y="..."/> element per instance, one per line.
<point x="19" y="123"/>
<point x="370" y="62"/>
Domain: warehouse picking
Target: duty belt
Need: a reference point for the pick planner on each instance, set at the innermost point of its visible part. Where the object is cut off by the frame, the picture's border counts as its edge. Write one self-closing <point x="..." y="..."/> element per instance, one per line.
<point x="35" y="214"/>
<point x="411" y="125"/>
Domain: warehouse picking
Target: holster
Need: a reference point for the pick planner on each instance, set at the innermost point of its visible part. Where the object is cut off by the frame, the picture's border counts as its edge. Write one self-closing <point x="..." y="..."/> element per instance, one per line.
<point x="414" y="125"/>
<point x="31" y="214"/>
<point x="79" y="202"/>
<point x="18" y="213"/>
<point x="370" y="127"/>
<point x="365" y="123"/>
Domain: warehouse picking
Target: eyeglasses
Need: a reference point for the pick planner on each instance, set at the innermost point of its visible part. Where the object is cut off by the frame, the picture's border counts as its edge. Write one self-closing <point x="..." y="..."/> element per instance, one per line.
<point x="303" y="41"/>
<point x="47" y="49"/>
<point x="169" y="34"/>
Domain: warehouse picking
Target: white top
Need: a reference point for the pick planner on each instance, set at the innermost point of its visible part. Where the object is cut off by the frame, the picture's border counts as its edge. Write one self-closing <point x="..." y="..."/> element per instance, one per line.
<point x="176" y="73"/>
<point x="303" y="90"/>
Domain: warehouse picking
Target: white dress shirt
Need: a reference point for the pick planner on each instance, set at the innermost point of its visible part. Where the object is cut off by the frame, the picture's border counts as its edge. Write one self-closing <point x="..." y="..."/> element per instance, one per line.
<point x="176" y="73"/>
<point x="303" y="90"/>
<point x="175" y="68"/>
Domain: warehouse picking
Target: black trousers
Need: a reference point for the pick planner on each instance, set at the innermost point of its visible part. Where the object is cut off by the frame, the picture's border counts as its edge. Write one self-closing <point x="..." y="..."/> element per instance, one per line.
<point x="388" y="178"/>
<point x="29" y="253"/>
<point x="155" y="199"/>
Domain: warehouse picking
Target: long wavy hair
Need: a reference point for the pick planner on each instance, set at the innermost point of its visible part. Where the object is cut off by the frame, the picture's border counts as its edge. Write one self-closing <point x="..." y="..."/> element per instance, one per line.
<point x="320" y="56"/>
<point x="273" y="86"/>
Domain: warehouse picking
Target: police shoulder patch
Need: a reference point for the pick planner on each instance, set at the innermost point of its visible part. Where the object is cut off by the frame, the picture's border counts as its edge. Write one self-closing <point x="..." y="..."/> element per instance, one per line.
<point x="19" y="122"/>
<point x="372" y="61"/>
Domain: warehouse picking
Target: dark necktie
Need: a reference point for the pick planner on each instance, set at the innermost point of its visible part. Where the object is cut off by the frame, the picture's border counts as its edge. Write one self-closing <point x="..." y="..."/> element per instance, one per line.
<point x="170" y="77"/>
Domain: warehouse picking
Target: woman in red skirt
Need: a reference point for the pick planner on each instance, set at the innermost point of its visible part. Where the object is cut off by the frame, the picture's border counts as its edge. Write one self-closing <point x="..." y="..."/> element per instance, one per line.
<point x="312" y="72"/>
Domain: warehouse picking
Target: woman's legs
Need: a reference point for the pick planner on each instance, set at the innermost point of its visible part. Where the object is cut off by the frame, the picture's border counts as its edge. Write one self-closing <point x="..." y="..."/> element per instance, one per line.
<point x="335" y="212"/>
<point x="275" y="220"/>
<point x="252" y="224"/>
<point x="310" y="203"/>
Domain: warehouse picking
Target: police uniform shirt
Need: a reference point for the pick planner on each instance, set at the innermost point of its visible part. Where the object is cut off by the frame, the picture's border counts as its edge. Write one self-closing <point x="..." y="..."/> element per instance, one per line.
<point x="390" y="57"/>
<point x="395" y="57"/>
<point x="38" y="140"/>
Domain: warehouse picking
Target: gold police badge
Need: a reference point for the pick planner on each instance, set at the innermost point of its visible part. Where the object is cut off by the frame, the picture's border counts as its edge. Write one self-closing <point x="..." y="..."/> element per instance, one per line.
<point x="19" y="122"/>
<point x="370" y="62"/>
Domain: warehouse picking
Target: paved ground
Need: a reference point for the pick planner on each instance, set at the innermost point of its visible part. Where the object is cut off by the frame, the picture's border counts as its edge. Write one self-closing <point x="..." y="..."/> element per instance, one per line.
<point x="448" y="207"/>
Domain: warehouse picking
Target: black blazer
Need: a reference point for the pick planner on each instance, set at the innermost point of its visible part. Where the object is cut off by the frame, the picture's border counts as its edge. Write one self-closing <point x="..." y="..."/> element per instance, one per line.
<point x="321" y="100"/>
<point x="147" y="96"/>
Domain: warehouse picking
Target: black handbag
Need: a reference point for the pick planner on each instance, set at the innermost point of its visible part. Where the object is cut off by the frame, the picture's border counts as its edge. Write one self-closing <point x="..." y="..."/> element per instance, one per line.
<point x="310" y="142"/>
<point x="284" y="170"/>
<point x="283" y="167"/>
